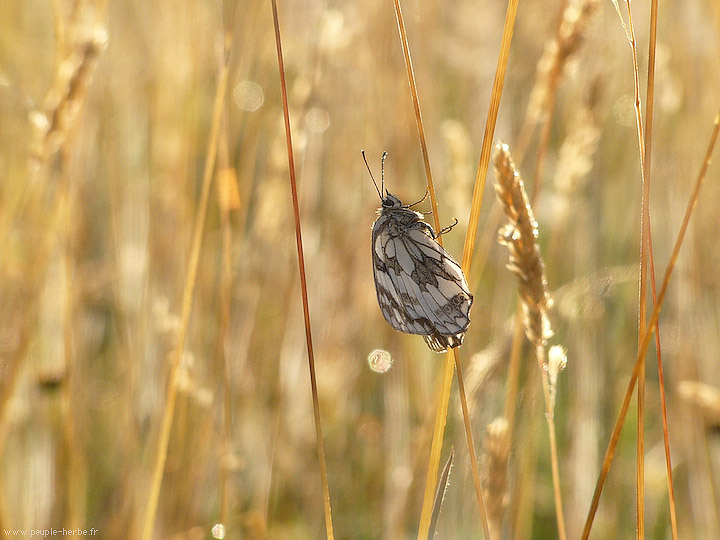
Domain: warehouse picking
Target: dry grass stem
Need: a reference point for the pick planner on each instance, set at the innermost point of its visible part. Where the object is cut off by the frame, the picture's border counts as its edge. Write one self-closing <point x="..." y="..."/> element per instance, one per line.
<point x="444" y="390"/>
<point x="441" y="415"/>
<point x="649" y="109"/>
<point x="647" y="334"/>
<point x="645" y="251"/>
<point x="142" y="375"/>
<point x="646" y="259"/>
<point x="189" y="288"/>
<point x="471" y="446"/>
<point x="228" y="199"/>
<point x="442" y="486"/>
<point x="488" y="136"/>
<point x="320" y="445"/>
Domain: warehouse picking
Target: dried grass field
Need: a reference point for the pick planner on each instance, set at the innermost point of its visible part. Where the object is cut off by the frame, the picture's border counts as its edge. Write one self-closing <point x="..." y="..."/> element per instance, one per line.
<point x="154" y="370"/>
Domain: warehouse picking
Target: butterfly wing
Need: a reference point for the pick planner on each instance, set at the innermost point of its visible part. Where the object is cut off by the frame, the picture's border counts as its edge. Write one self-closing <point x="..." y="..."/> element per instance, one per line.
<point x="420" y="287"/>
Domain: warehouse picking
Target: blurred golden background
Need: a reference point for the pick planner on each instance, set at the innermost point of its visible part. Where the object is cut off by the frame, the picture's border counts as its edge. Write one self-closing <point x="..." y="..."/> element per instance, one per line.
<point x="105" y="114"/>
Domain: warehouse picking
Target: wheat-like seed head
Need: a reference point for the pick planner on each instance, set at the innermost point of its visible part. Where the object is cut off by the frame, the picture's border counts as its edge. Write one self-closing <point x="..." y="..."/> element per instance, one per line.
<point x="63" y="103"/>
<point x="520" y="235"/>
<point x="558" y="51"/>
<point x="495" y="460"/>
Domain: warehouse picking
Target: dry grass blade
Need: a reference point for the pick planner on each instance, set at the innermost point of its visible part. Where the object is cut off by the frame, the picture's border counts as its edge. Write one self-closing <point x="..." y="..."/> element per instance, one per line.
<point x="440" y="494"/>
<point x="488" y="136"/>
<point x="468" y="248"/>
<point x="441" y="415"/>
<point x="645" y="249"/>
<point x="619" y="422"/>
<point x="169" y="408"/>
<point x="471" y="446"/>
<point x="418" y="114"/>
<point x="444" y="390"/>
<point x="520" y="237"/>
<point x="646" y="256"/>
<point x="650" y="101"/>
<point x="303" y="282"/>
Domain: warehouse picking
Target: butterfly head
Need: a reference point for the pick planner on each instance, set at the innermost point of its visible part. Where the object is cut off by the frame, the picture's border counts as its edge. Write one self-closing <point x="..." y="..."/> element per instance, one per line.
<point x="390" y="201"/>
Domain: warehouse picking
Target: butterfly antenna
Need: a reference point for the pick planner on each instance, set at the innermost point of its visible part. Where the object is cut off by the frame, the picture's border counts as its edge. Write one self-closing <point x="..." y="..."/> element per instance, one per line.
<point x="371" y="174"/>
<point x="382" y="171"/>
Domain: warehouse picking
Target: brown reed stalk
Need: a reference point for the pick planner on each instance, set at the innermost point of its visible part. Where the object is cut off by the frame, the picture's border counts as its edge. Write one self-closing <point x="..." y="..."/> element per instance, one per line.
<point x="441" y="416"/>
<point x="303" y="282"/>
<point x="520" y="237"/>
<point x="649" y="105"/>
<point x="187" y="303"/>
<point x="646" y="254"/>
<point x="647" y="334"/>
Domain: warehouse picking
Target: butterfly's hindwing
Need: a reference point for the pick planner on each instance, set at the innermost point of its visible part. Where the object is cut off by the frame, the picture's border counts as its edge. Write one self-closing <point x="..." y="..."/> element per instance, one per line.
<point x="420" y="287"/>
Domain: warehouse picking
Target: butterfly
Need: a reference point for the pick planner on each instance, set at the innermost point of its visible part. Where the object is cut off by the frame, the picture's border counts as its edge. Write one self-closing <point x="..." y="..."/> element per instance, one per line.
<point x="420" y="288"/>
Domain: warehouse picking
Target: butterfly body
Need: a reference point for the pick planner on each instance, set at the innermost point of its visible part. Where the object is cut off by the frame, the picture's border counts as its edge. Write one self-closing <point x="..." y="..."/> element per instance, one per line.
<point x="420" y="288"/>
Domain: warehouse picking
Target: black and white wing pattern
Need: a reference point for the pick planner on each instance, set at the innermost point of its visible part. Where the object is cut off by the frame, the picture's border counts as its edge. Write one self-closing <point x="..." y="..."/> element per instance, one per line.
<point x="420" y="288"/>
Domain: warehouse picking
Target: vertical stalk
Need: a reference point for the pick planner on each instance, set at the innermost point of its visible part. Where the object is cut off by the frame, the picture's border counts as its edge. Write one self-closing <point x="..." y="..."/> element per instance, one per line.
<point x="303" y="282"/>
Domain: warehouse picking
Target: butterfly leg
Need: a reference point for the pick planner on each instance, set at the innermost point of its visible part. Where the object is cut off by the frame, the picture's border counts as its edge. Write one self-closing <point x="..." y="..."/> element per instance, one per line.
<point x="447" y="229"/>
<point x="427" y="192"/>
